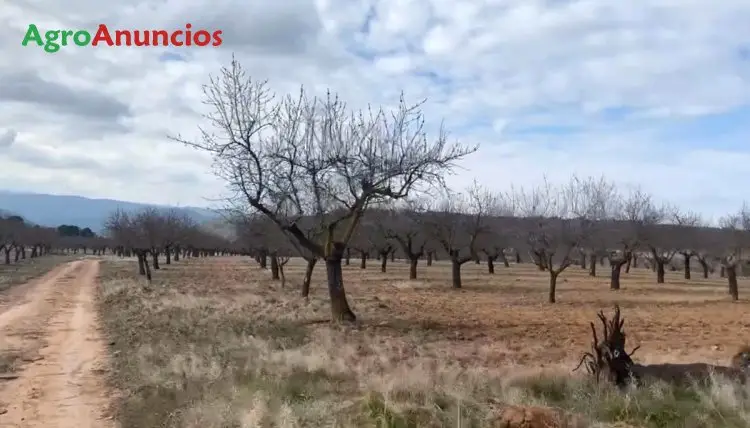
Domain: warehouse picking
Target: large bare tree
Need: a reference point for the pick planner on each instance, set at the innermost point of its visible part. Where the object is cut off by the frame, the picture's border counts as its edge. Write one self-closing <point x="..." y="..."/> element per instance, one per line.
<point x="317" y="157"/>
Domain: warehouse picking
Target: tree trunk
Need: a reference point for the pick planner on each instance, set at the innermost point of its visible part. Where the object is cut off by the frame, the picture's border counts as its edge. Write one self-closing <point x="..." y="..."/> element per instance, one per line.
<point x="583" y="261"/>
<point x="308" y="276"/>
<point x="490" y="264"/>
<point x="614" y="279"/>
<point x="732" y="279"/>
<point x="348" y="256"/>
<point x="393" y="256"/>
<point x="518" y="257"/>
<point x="7" y="256"/>
<point x="722" y="272"/>
<point x="383" y="261"/>
<point x="168" y="256"/>
<point x="505" y="260"/>
<point x="263" y="259"/>
<point x="141" y="264"/>
<point x="704" y="267"/>
<point x="601" y="261"/>
<point x="659" y="271"/>
<point x="413" y="267"/>
<point x="275" y="267"/>
<point x="552" y="285"/>
<point x="456" y="273"/>
<point x="687" y="266"/>
<point x="592" y="271"/>
<point x="539" y="260"/>
<point x="155" y="258"/>
<point x="635" y="261"/>
<point x="363" y="260"/>
<point x="177" y="254"/>
<point x="429" y="258"/>
<point x="18" y="255"/>
<point x="628" y="263"/>
<point x="340" y="310"/>
<point x="148" y="268"/>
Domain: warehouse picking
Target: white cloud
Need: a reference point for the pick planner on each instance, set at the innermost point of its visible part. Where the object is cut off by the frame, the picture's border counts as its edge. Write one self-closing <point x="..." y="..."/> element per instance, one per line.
<point x="616" y="75"/>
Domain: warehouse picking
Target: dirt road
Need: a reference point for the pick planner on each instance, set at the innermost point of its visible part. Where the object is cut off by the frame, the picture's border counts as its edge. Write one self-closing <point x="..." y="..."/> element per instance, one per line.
<point x="50" y="325"/>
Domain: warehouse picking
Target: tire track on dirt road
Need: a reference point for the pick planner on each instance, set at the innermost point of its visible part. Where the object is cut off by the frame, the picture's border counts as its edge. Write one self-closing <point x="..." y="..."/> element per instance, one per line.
<point x="63" y="386"/>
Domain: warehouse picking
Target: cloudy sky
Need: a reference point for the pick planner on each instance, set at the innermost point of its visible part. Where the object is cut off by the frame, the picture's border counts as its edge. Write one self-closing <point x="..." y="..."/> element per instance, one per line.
<point x="648" y="92"/>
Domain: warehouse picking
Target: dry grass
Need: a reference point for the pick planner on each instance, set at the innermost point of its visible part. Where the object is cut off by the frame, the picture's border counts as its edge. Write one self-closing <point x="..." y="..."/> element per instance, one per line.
<point x="217" y="344"/>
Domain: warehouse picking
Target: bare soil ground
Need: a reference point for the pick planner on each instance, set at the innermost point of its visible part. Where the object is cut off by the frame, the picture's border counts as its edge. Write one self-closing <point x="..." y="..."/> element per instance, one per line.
<point x="216" y="343"/>
<point x="51" y="352"/>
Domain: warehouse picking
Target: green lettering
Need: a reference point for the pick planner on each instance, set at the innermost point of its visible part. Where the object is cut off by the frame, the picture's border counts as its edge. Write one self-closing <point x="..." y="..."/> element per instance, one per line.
<point x="82" y="38"/>
<point x="50" y="44"/>
<point x="32" y="34"/>
<point x="65" y="35"/>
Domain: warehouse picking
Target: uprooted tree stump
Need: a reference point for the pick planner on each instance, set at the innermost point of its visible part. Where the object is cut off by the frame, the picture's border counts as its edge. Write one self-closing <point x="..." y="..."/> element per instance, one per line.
<point x="608" y="357"/>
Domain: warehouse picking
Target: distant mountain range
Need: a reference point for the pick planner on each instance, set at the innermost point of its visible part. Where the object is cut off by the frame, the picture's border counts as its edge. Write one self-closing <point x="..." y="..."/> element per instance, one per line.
<point x="54" y="210"/>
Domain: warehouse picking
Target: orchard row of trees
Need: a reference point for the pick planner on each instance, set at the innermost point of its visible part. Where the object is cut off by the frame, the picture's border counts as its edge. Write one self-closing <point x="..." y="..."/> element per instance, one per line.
<point x="328" y="180"/>
<point x="20" y="239"/>
<point x="584" y="222"/>
<point x="151" y="234"/>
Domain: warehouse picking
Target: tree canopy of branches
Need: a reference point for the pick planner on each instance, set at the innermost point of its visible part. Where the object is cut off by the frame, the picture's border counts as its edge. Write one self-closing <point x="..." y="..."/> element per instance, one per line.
<point x="457" y="222"/>
<point x="153" y="232"/>
<point x="294" y="156"/>
<point x="556" y="220"/>
<point x="17" y="235"/>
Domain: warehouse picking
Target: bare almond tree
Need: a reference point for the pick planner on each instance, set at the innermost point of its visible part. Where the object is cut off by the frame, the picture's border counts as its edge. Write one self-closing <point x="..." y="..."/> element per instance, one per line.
<point x="457" y="222"/>
<point x="11" y="232"/>
<point x="500" y="235"/>
<point x="634" y="213"/>
<point x="736" y="228"/>
<point x="688" y="220"/>
<point x="317" y="157"/>
<point x="361" y="242"/>
<point x="403" y="223"/>
<point x="659" y="238"/>
<point x="124" y="231"/>
<point x="176" y="227"/>
<point x="374" y="234"/>
<point x="597" y="201"/>
<point x="553" y="224"/>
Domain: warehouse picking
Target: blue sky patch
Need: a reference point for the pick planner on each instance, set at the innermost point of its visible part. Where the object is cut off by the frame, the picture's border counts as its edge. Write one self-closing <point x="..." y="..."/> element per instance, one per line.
<point x="172" y="57"/>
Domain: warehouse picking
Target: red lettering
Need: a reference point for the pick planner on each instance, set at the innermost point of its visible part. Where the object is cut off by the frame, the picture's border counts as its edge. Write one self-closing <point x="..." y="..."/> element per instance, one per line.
<point x="188" y="35"/>
<point x="102" y="35"/>
<point x="217" y="38"/>
<point x="202" y="38"/>
<point x="174" y="40"/>
<point x="123" y="34"/>
<point x="156" y="35"/>
<point x="141" y="41"/>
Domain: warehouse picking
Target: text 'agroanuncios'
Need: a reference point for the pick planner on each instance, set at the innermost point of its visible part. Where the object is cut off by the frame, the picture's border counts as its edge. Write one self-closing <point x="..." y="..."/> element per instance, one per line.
<point x="52" y="40"/>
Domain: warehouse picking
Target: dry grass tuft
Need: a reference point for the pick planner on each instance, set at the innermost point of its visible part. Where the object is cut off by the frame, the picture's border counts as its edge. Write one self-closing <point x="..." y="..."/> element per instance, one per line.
<point x="217" y="344"/>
